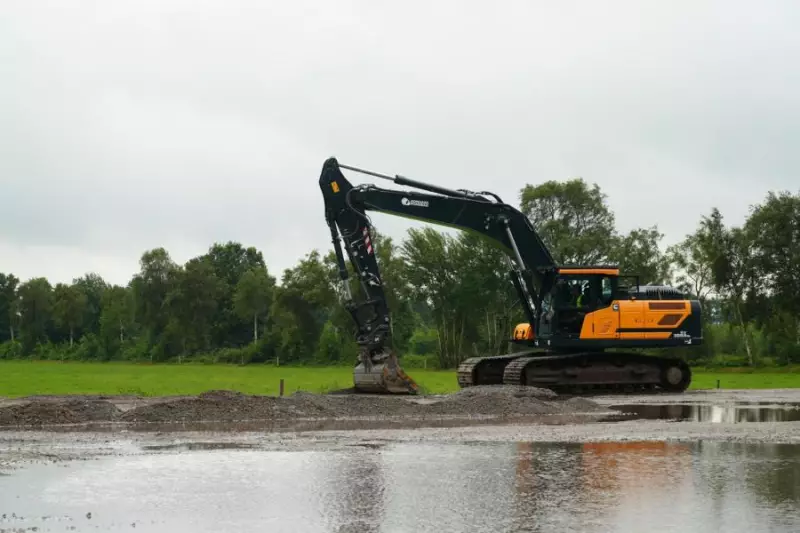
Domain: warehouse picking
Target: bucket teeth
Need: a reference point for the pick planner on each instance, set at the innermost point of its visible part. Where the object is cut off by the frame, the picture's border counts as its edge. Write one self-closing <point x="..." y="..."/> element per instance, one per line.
<point x="382" y="374"/>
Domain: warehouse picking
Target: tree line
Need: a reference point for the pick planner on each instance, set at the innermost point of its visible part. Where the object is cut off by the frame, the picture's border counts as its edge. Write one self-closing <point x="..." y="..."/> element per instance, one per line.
<point x="450" y="296"/>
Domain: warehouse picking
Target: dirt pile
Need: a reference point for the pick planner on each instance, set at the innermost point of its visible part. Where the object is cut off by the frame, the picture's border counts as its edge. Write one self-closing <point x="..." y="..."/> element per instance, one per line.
<point x="75" y="411"/>
<point x="499" y="400"/>
<point x="225" y="406"/>
<point x="230" y="406"/>
<point x="357" y="405"/>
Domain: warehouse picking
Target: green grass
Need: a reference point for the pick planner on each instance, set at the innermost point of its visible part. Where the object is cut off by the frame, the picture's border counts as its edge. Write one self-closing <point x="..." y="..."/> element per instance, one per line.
<point x="744" y="378"/>
<point x="22" y="378"/>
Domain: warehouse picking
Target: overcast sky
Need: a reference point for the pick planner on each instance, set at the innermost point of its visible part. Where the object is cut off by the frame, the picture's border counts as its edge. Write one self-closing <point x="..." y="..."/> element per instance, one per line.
<point x="126" y="126"/>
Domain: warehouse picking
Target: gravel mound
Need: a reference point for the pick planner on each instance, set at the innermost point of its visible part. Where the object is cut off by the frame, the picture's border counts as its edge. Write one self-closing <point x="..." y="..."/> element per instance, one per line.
<point x="213" y="405"/>
<point x="502" y="400"/>
<point x="582" y="405"/>
<point x="232" y="406"/>
<point x="92" y="410"/>
<point x="357" y="405"/>
<point x="39" y="413"/>
<point x="226" y="406"/>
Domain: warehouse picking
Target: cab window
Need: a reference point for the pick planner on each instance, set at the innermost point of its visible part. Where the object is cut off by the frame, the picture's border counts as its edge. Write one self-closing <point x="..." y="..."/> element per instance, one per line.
<point x="606" y="290"/>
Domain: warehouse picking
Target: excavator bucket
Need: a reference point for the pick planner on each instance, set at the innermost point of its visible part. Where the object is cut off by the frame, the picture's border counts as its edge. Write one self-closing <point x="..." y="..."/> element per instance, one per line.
<point x="382" y="375"/>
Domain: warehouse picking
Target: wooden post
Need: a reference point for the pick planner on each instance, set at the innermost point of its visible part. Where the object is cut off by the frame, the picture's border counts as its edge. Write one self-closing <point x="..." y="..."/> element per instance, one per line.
<point x="717" y="383"/>
<point x="281" y="386"/>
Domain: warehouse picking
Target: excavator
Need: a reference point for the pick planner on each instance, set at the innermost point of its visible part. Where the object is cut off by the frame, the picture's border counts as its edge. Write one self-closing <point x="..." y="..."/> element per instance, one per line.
<point x="584" y="325"/>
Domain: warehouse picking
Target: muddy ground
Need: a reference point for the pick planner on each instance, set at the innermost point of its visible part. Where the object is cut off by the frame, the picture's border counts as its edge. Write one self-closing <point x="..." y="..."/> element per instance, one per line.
<point x="343" y="410"/>
<point x="228" y="407"/>
<point x="55" y="429"/>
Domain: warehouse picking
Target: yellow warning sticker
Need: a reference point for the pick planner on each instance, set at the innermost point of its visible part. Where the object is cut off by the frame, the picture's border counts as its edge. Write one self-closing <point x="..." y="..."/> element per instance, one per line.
<point x="335" y="186"/>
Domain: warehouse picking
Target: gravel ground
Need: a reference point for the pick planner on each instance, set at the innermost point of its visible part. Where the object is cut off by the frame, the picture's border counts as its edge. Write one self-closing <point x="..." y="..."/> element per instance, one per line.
<point x="229" y="406"/>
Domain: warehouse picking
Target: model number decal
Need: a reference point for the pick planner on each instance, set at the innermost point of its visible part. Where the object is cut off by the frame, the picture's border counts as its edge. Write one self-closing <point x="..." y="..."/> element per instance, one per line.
<point x="418" y="203"/>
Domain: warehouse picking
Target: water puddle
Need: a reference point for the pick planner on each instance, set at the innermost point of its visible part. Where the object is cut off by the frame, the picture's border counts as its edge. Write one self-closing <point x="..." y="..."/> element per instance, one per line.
<point x="193" y="446"/>
<point x="723" y="414"/>
<point x="425" y="488"/>
<point x="323" y="424"/>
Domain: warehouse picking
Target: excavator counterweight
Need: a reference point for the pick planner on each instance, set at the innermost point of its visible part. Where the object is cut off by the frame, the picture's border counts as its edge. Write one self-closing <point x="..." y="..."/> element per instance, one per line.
<point x="579" y="316"/>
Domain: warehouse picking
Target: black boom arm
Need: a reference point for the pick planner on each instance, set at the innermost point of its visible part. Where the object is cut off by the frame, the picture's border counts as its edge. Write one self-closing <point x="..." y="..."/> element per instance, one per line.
<point x="481" y="213"/>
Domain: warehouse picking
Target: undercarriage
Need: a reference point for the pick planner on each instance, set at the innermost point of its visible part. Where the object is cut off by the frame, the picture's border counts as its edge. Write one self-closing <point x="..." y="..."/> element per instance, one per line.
<point x="578" y="373"/>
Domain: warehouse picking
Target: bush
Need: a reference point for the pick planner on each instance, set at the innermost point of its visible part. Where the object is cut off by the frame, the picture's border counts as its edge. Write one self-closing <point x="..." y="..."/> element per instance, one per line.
<point x="424" y="341"/>
<point x="10" y="350"/>
<point x="334" y="346"/>
<point x="134" y="350"/>
<point x="88" y="348"/>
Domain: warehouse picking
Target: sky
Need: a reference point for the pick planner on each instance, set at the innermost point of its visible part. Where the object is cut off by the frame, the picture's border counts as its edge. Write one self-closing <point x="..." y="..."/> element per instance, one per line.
<point x="126" y="126"/>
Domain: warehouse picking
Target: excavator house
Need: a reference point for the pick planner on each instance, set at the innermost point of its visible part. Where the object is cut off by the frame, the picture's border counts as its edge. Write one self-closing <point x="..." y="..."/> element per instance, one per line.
<point x="585" y="323"/>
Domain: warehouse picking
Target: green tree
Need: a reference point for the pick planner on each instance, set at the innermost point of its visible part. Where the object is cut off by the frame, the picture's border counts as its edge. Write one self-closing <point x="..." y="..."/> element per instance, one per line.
<point x="230" y="261"/>
<point x="254" y="295"/>
<point x="572" y="219"/>
<point x="191" y="304"/>
<point x="303" y="303"/>
<point x="487" y="292"/>
<point x="692" y="260"/>
<point x="464" y="281"/>
<point x="774" y="234"/>
<point x="93" y="286"/>
<point x="433" y="277"/>
<point x="732" y="272"/>
<point x="8" y="306"/>
<point x="69" y="307"/>
<point x="150" y="287"/>
<point x="639" y="253"/>
<point x="117" y="317"/>
<point x="36" y="308"/>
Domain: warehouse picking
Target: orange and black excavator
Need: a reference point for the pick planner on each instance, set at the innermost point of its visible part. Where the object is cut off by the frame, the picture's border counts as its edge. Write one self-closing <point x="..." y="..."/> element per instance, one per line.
<point x="583" y="321"/>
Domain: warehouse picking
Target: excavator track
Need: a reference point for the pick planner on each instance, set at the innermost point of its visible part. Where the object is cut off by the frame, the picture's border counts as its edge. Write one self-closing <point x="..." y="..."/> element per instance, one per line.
<point x="587" y="372"/>
<point x="486" y="370"/>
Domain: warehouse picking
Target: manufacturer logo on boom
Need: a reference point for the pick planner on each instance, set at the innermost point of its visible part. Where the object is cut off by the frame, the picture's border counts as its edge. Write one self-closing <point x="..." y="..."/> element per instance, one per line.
<point x="418" y="203"/>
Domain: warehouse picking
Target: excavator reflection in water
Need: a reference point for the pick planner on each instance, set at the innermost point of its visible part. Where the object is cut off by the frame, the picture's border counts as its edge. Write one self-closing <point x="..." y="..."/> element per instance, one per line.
<point x="561" y="486"/>
<point x="576" y="313"/>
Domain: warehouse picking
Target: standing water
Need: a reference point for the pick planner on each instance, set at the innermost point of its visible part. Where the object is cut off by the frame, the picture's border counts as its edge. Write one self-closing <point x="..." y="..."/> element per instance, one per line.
<point x="604" y="486"/>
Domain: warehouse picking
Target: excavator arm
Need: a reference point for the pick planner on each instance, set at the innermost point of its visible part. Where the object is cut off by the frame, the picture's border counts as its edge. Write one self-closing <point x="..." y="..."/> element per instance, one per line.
<point x="346" y="206"/>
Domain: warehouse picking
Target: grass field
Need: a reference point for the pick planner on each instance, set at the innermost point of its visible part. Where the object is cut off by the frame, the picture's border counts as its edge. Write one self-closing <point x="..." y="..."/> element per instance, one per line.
<point x="22" y="378"/>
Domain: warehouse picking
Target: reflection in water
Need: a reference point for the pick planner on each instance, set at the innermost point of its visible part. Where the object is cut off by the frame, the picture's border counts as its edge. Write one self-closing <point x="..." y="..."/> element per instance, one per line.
<point x="727" y="414"/>
<point x="441" y="488"/>
<point x="582" y="485"/>
<point x="547" y="477"/>
<point x="764" y="477"/>
<point x="353" y="494"/>
<point x="449" y="488"/>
